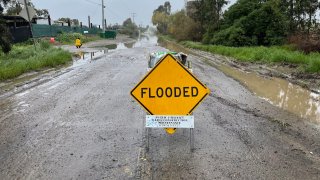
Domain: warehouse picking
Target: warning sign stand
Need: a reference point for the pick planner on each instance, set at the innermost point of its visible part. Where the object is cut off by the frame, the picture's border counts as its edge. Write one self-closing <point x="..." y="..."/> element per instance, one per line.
<point x="148" y="134"/>
<point x="169" y="93"/>
<point x="167" y="121"/>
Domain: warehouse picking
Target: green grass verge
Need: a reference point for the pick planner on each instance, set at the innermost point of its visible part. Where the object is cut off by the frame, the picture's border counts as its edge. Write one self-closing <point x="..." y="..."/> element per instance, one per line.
<point x="162" y="37"/>
<point x="275" y="54"/>
<point x="70" y="38"/>
<point x="25" y="58"/>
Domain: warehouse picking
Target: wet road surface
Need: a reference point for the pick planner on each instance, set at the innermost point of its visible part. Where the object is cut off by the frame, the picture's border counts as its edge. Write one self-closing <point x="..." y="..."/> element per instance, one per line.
<point x="83" y="124"/>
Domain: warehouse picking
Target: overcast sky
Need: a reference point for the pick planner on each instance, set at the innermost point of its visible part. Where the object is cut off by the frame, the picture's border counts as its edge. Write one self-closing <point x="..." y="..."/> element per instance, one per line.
<point x="116" y="10"/>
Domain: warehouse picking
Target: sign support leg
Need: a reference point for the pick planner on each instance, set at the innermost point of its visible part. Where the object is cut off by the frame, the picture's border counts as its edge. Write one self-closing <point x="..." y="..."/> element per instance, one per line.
<point x="191" y="139"/>
<point x="147" y="138"/>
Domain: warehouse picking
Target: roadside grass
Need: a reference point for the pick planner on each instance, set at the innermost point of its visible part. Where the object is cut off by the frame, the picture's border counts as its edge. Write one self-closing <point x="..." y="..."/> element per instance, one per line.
<point x="25" y="58"/>
<point x="69" y="38"/>
<point x="276" y="54"/>
<point x="162" y="37"/>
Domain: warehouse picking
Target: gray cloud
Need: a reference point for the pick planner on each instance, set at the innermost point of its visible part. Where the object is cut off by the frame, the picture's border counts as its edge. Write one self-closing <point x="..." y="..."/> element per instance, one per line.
<point x="116" y="10"/>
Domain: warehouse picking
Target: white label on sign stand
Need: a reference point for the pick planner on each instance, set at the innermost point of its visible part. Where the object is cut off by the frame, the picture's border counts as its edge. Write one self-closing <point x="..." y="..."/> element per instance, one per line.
<point x="166" y="121"/>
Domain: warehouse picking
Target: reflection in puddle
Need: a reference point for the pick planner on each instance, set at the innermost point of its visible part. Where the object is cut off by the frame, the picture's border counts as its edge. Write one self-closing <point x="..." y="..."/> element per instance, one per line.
<point x="143" y="41"/>
<point x="129" y="45"/>
<point x="278" y="92"/>
<point x="86" y="57"/>
<point x="116" y="46"/>
<point x="111" y="46"/>
<point x="121" y="46"/>
<point x="281" y="93"/>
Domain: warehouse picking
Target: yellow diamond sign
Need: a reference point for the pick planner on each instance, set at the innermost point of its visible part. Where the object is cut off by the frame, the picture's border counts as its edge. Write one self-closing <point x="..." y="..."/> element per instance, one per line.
<point x="169" y="89"/>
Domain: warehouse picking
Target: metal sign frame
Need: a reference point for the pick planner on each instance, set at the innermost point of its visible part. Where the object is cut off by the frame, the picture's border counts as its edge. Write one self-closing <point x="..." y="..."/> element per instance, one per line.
<point x="148" y="135"/>
<point x="184" y="68"/>
<point x="184" y="114"/>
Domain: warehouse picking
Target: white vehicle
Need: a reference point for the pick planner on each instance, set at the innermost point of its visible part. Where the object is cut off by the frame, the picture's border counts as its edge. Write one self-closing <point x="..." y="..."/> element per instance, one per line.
<point x="155" y="57"/>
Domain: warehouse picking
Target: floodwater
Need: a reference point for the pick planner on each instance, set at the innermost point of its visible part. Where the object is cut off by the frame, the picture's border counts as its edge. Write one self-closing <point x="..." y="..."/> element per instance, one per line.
<point x="87" y="57"/>
<point x="141" y="42"/>
<point x="98" y="51"/>
<point x="279" y="92"/>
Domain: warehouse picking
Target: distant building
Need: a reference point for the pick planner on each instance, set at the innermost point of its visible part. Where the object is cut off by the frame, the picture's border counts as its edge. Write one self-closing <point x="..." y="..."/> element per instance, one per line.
<point x="60" y="23"/>
<point x="18" y="27"/>
<point x="42" y="20"/>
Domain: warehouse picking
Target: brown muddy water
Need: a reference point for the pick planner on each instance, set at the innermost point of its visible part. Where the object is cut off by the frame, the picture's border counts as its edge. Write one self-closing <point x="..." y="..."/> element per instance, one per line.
<point x="279" y="92"/>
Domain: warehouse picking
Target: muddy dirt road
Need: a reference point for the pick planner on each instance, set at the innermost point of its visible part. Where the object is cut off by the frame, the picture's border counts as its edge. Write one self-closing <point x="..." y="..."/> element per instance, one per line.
<point x="83" y="124"/>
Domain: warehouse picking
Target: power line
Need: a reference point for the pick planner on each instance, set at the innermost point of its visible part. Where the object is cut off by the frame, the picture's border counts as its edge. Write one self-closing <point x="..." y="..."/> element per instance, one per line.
<point x="133" y="15"/>
<point x="103" y="7"/>
<point x="125" y="5"/>
<point x="113" y="13"/>
<point x="93" y="2"/>
<point x="103" y="20"/>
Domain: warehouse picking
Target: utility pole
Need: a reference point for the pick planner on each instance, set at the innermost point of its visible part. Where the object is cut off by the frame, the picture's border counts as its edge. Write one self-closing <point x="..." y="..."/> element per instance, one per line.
<point x="89" y="22"/>
<point x="133" y="15"/>
<point x="103" y="22"/>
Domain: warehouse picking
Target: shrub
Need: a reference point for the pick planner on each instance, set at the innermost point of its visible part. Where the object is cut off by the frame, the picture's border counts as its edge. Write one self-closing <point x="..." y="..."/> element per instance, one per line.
<point x="129" y="28"/>
<point x="233" y="36"/>
<point x="305" y="43"/>
<point x="314" y="63"/>
<point x="263" y="26"/>
<point x="23" y="59"/>
<point x="275" y="54"/>
<point x="67" y="38"/>
<point x="44" y="45"/>
<point x="183" y="27"/>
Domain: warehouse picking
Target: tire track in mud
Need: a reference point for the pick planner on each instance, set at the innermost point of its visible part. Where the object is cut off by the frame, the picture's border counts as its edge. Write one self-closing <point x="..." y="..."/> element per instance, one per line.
<point x="285" y="129"/>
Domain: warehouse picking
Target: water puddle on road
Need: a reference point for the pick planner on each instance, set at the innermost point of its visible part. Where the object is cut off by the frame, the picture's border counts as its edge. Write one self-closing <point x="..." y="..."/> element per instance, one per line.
<point x="143" y="41"/>
<point x="281" y="93"/>
<point x="278" y="92"/>
<point x="119" y="46"/>
<point x="86" y="57"/>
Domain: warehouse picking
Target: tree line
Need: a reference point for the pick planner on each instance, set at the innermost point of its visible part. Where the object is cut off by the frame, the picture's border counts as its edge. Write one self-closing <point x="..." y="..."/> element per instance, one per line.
<point x="245" y="23"/>
<point x="5" y="36"/>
